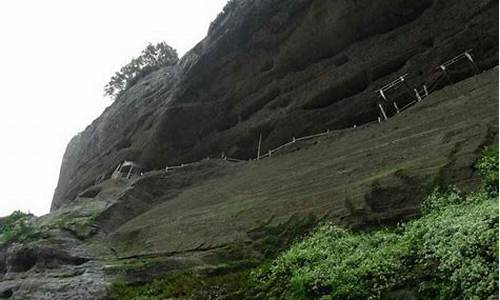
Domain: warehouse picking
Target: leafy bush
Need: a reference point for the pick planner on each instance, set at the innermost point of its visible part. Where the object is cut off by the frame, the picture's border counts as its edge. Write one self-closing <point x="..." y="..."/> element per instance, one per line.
<point x="337" y="263"/>
<point x="488" y="168"/>
<point x="17" y="228"/>
<point x="152" y="58"/>
<point x="451" y="252"/>
<point x="458" y="245"/>
<point x="441" y="198"/>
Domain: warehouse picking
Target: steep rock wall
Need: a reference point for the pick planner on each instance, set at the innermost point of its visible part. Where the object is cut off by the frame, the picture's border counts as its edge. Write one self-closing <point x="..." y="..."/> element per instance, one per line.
<point x="280" y="68"/>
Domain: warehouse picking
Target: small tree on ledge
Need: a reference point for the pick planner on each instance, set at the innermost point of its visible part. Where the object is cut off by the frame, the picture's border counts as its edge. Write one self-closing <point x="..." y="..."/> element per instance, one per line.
<point x="152" y="58"/>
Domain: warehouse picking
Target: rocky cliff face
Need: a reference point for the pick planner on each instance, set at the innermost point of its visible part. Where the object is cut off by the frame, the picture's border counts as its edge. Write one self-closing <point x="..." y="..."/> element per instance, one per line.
<point x="280" y="68"/>
<point x="217" y="218"/>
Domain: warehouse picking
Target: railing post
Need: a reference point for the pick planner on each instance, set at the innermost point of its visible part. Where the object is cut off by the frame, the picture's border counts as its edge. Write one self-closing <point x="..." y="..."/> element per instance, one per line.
<point x="472" y="62"/>
<point x="258" y="148"/>
<point x="443" y="68"/>
<point x="396" y="107"/>
<point x="382" y="94"/>
<point x="382" y="111"/>
<point x="419" y="98"/>
<point x="130" y="172"/>
<point x="426" y="91"/>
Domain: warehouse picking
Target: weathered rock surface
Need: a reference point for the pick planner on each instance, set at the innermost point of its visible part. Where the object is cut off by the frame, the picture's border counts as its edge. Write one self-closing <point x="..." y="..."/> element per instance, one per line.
<point x="216" y="214"/>
<point x="280" y="68"/>
<point x="284" y="69"/>
<point x="50" y="269"/>
<point x="370" y="175"/>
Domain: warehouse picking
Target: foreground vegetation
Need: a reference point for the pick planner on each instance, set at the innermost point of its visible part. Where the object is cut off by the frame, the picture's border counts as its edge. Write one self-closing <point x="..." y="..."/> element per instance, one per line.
<point x="17" y="227"/>
<point x="450" y="252"/>
<point x="24" y="228"/>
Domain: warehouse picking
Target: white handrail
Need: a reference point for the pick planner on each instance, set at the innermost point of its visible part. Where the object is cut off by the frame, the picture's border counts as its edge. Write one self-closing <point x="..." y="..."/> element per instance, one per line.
<point x="420" y="94"/>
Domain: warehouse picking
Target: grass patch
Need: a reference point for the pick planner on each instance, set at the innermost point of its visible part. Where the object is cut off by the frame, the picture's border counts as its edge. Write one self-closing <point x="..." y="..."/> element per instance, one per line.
<point x="81" y="227"/>
<point x="17" y="227"/>
<point x="188" y="285"/>
<point x="22" y="227"/>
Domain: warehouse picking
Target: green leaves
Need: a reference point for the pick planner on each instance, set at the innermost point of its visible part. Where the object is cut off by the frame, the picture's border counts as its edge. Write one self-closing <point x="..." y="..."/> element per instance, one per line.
<point x="440" y="199"/>
<point x="17" y="228"/>
<point x="488" y="169"/>
<point x="152" y="58"/>
<point x="460" y="244"/>
<point x="451" y="252"/>
<point x="337" y="263"/>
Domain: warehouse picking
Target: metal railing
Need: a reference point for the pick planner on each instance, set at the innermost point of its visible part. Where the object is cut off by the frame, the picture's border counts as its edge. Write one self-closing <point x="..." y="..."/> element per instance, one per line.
<point x="420" y="93"/>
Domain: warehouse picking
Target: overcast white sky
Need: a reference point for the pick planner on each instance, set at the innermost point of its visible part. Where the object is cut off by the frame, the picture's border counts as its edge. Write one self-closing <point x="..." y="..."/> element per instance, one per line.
<point x="55" y="58"/>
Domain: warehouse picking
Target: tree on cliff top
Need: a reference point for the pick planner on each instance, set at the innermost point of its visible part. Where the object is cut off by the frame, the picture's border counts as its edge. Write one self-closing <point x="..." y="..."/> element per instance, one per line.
<point x="152" y="58"/>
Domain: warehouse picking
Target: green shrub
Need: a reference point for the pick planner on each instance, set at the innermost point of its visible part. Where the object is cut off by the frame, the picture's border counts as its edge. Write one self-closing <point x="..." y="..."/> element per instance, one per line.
<point x="457" y="249"/>
<point x="442" y="198"/>
<point x="17" y="228"/>
<point x="337" y="263"/>
<point x="488" y="168"/>
<point x="450" y="252"/>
